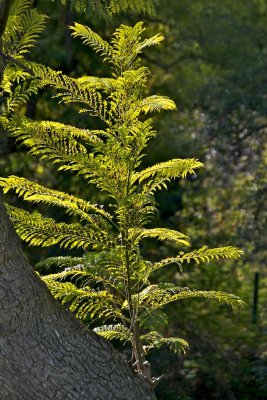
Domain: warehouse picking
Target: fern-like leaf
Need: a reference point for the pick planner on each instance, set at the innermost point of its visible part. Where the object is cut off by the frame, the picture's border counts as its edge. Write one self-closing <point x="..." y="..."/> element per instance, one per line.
<point x="204" y="254"/>
<point x="23" y="27"/>
<point x="125" y="41"/>
<point x="162" y="234"/>
<point x="20" y="95"/>
<point x="76" y="274"/>
<point x="10" y="76"/>
<point x="48" y="139"/>
<point x="143" y="6"/>
<point x="155" y="296"/>
<point x="59" y="145"/>
<point x="59" y="262"/>
<point x="92" y="39"/>
<point x="71" y="90"/>
<point x="156" y="340"/>
<point x="111" y="332"/>
<point x="156" y="103"/>
<point x="159" y="174"/>
<point x="151" y="41"/>
<point x="35" y="193"/>
<point x="96" y="83"/>
<point x="105" y="8"/>
<point x="85" y="302"/>
<point x="106" y="266"/>
<point x="40" y="231"/>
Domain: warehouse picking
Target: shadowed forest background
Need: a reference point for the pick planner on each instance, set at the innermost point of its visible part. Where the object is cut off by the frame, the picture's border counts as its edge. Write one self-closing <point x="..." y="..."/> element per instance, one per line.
<point x="213" y="64"/>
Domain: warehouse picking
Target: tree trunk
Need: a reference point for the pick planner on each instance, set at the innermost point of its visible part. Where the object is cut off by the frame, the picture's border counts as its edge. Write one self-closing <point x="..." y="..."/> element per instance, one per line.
<point x="45" y="352"/>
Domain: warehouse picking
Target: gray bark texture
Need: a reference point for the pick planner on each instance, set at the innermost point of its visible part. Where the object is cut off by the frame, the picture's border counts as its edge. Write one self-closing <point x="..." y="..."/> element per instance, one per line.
<point x="45" y="352"/>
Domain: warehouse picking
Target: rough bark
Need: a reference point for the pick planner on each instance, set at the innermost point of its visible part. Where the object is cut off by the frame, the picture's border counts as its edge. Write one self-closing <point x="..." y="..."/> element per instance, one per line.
<point x="45" y="353"/>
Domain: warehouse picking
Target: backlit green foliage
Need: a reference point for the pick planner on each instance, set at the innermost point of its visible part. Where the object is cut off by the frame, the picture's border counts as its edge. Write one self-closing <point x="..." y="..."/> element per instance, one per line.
<point x="22" y="30"/>
<point x="23" y="27"/>
<point x="105" y="8"/>
<point x="112" y="283"/>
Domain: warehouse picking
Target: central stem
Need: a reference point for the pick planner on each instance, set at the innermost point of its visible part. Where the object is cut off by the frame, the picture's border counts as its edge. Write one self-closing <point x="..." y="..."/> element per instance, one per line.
<point x="137" y="348"/>
<point x="126" y="244"/>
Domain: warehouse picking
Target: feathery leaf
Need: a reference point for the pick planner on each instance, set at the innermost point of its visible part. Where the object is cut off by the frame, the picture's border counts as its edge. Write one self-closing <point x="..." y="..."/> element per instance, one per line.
<point x="92" y="39"/>
<point x="155" y="296"/>
<point x="164" y="234"/>
<point x="111" y="332"/>
<point x="159" y="174"/>
<point x="40" y="231"/>
<point x="156" y="340"/>
<point x="35" y="193"/>
<point x="84" y="302"/>
<point x="204" y="254"/>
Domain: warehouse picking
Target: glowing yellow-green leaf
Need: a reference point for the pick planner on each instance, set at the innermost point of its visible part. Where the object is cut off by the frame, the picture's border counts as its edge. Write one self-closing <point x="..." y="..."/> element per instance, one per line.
<point x="156" y="340"/>
<point x="91" y="38"/>
<point x="35" y="193"/>
<point x="156" y="103"/>
<point x="204" y="254"/>
<point x="111" y="332"/>
<point x="155" y="296"/>
<point x="163" y="234"/>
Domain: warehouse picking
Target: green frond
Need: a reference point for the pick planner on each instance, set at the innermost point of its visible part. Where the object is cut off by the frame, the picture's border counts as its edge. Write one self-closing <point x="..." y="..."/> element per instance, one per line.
<point x="19" y="7"/>
<point x="156" y="340"/>
<point x="96" y="83"/>
<point x="11" y="75"/>
<point x="84" y="303"/>
<point x="164" y="234"/>
<point x="151" y="41"/>
<point x="90" y="99"/>
<point x="44" y="138"/>
<point x="18" y="86"/>
<point x="105" y="8"/>
<point x="155" y="296"/>
<point x="71" y="90"/>
<point x="125" y="42"/>
<point x="124" y="84"/>
<point x="19" y="95"/>
<point x="107" y="266"/>
<point x="67" y="131"/>
<point x="92" y="39"/>
<point x="111" y="332"/>
<point x="139" y="213"/>
<point x="37" y="230"/>
<point x="204" y="254"/>
<point x="51" y="77"/>
<point x="140" y="6"/>
<point x="156" y="103"/>
<point x="35" y="193"/>
<point x="82" y="275"/>
<point x="23" y="28"/>
<point x="59" y="262"/>
<point x="141" y="133"/>
<point x="58" y="142"/>
<point x="73" y="273"/>
<point x="159" y="174"/>
<point x="60" y="146"/>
